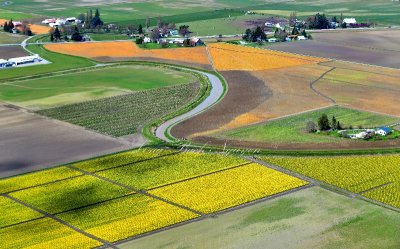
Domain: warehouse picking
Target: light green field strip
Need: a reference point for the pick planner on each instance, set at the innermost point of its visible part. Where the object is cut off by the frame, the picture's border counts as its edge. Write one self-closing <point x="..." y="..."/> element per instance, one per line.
<point x="123" y="218"/>
<point x="36" y="178"/>
<point x="355" y="174"/>
<point x="170" y="169"/>
<point x="13" y="213"/>
<point x="44" y="233"/>
<point x="292" y="129"/>
<point x="120" y="159"/>
<point x="70" y="194"/>
<point x="6" y="38"/>
<point x="228" y="188"/>
<point x="389" y="194"/>
<point x="65" y="89"/>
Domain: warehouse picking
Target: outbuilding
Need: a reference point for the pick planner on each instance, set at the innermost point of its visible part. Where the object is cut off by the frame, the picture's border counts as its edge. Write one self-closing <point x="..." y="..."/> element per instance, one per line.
<point x="384" y="131"/>
<point x="350" y="21"/>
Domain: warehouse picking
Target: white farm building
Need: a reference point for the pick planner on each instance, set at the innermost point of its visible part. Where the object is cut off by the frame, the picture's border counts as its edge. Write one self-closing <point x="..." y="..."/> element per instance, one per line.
<point x="350" y="21"/>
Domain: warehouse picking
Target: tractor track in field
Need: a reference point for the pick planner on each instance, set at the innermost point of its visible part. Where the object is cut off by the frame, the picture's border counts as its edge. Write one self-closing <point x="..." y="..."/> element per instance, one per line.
<point x="317" y="80"/>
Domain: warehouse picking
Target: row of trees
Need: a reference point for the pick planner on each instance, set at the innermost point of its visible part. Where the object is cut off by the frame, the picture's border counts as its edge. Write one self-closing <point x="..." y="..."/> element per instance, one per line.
<point x="91" y="21"/>
<point x="24" y="28"/>
<point x="56" y="35"/>
<point x="324" y="124"/>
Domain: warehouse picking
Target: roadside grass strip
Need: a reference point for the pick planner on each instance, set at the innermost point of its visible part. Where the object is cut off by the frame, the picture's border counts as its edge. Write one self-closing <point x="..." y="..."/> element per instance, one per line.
<point x="36" y="178"/>
<point x="226" y="189"/>
<point x="121" y="159"/>
<point x="389" y="194"/>
<point x="376" y="177"/>
<point x="70" y="194"/>
<point x="130" y="216"/>
<point x="44" y="233"/>
<point x="12" y="213"/>
<point x="166" y="170"/>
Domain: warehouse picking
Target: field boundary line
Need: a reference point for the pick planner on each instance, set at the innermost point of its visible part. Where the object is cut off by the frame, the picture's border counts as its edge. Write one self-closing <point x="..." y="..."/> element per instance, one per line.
<point x="312" y="83"/>
<point x="375" y="188"/>
<point x="139" y="191"/>
<point x="55" y="218"/>
<point x="215" y="214"/>
<point x="133" y="163"/>
<point x="199" y="176"/>
<point x="22" y="222"/>
<point x="324" y="185"/>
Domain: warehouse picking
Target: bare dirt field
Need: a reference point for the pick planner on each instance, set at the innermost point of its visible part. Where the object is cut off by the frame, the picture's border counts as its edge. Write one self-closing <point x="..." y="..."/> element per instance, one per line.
<point x="29" y="142"/>
<point x="8" y="52"/>
<point x="370" y="47"/>
<point x="245" y="93"/>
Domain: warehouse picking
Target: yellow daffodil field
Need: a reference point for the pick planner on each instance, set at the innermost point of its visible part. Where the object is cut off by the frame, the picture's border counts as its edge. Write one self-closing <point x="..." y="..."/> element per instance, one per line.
<point x="375" y="177"/>
<point x="121" y="196"/>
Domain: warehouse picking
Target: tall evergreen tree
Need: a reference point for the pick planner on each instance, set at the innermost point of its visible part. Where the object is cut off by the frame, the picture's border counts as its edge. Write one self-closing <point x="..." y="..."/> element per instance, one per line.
<point x="76" y="36"/>
<point x="96" y="20"/>
<point x="57" y="34"/>
<point x="6" y="28"/>
<point x="140" y="29"/>
<point x="323" y="123"/>
<point x="295" y="31"/>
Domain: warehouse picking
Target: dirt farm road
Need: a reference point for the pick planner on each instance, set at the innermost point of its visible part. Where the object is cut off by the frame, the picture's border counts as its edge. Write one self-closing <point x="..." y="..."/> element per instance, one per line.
<point x="217" y="91"/>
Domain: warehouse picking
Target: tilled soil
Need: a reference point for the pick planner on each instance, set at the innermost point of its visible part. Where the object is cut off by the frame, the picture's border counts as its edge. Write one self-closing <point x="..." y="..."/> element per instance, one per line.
<point x="7" y="52"/>
<point x="245" y="93"/>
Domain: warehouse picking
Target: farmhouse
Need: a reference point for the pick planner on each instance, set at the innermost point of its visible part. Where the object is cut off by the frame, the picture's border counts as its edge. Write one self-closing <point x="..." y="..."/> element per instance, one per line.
<point x="350" y="21"/>
<point x="384" y="131"/>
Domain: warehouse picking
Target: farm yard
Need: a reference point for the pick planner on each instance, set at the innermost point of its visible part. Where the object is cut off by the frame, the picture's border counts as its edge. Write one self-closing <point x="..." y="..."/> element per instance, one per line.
<point x="290" y="132"/>
<point x="104" y="204"/>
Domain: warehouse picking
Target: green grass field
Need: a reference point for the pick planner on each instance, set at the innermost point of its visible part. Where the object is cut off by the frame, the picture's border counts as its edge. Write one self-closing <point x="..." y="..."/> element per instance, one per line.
<point x="293" y="129"/>
<point x="124" y="114"/>
<point x="58" y="62"/>
<point x="7" y="38"/>
<point x="315" y="217"/>
<point x="79" y="87"/>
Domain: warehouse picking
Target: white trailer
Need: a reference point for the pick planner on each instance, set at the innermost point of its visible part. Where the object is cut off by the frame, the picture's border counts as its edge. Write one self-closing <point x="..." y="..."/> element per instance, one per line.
<point x="25" y="60"/>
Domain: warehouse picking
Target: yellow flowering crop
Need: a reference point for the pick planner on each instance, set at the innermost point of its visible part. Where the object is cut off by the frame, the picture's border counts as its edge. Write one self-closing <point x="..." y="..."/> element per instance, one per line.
<point x="228" y="188"/>
<point x="118" y="159"/>
<point x="12" y="212"/>
<point x="360" y="174"/>
<point x="36" y="178"/>
<point x="44" y="233"/>
<point x="119" y="219"/>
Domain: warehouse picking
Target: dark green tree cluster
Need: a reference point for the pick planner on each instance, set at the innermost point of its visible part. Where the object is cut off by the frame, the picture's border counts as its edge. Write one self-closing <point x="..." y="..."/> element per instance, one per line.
<point x="8" y="26"/>
<point x="93" y="21"/>
<point x="257" y="34"/>
<point x="324" y="124"/>
<point x="319" y="21"/>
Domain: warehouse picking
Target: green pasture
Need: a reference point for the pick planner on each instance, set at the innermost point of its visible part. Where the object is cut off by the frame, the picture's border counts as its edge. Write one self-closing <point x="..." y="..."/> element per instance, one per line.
<point x="58" y="62"/>
<point x="8" y="14"/>
<point x="99" y="83"/>
<point x="7" y="38"/>
<point x="293" y="129"/>
<point x="316" y="218"/>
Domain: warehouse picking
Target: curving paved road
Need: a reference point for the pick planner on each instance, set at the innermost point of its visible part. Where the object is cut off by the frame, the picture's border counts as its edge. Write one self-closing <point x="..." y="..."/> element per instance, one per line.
<point x="217" y="90"/>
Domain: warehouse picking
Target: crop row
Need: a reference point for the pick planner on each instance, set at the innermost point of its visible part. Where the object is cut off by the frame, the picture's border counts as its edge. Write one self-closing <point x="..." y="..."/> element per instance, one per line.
<point x="228" y="188"/>
<point x="170" y="169"/>
<point x="13" y="213"/>
<point x="44" y="233"/>
<point x="356" y="174"/>
<point x="124" y="114"/>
